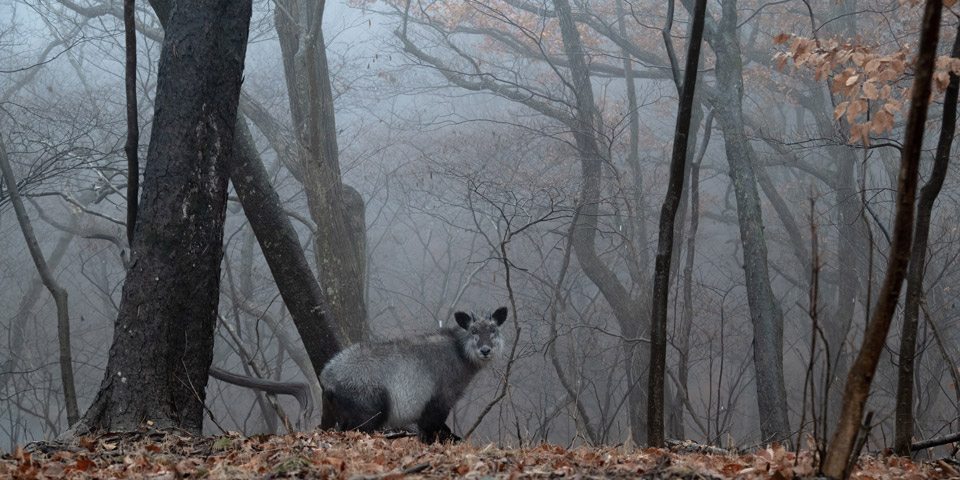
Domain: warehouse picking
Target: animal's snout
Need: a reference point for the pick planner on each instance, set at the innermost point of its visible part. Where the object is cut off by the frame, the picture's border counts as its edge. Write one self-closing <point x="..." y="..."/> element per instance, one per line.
<point x="485" y="350"/>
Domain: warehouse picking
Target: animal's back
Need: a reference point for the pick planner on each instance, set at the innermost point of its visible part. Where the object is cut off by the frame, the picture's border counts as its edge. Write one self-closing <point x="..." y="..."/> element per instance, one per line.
<point x="406" y="370"/>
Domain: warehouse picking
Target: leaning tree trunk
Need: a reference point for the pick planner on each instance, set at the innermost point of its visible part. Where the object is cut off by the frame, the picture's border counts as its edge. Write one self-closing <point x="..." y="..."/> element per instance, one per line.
<point x="661" y="277"/>
<point x="281" y="247"/>
<point x="861" y="374"/>
<point x="918" y="258"/>
<point x="163" y="337"/>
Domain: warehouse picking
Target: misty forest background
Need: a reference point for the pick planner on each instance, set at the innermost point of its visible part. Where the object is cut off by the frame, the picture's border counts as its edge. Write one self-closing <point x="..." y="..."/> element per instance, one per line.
<point x="467" y="166"/>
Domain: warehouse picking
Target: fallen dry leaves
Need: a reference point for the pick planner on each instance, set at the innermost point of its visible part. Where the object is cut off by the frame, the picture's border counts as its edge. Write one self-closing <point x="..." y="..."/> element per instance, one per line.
<point x="353" y="455"/>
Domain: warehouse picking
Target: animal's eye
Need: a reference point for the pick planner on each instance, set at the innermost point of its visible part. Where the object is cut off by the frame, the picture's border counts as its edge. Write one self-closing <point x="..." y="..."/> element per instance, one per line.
<point x="474" y="331"/>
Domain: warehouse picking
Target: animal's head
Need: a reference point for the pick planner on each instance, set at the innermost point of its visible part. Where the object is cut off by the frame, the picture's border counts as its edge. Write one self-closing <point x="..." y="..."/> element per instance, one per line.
<point x="483" y="340"/>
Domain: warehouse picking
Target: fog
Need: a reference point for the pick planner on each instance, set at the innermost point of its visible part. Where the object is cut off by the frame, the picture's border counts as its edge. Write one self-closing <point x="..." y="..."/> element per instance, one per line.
<point x="461" y="145"/>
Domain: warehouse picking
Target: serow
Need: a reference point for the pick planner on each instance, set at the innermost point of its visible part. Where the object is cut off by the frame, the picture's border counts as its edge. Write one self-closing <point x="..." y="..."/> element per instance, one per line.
<point x="381" y="385"/>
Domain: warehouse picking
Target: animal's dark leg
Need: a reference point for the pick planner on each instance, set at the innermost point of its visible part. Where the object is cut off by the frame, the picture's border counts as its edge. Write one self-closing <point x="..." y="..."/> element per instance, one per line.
<point x="365" y="412"/>
<point x="432" y="423"/>
<point x="328" y="419"/>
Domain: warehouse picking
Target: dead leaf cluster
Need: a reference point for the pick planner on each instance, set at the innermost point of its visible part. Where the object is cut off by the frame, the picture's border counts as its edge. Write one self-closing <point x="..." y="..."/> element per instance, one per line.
<point x="874" y="85"/>
<point x="353" y="455"/>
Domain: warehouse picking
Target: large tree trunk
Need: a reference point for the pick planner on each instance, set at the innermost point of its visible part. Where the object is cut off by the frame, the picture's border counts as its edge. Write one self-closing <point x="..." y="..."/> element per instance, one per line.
<point x="340" y="243"/>
<point x="278" y="240"/>
<point x="163" y="338"/>
<point x="861" y="373"/>
<point x="765" y="312"/>
<point x="918" y="259"/>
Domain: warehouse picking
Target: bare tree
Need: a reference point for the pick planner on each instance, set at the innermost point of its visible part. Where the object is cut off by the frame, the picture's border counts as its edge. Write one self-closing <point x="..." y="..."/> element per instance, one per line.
<point x="918" y="260"/>
<point x="661" y="276"/>
<point x="837" y="462"/>
<point x="46" y="275"/>
<point x="163" y="337"/>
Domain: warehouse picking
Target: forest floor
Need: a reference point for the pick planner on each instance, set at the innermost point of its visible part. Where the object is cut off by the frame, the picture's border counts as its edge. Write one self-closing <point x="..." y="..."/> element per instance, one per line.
<point x="358" y="456"/>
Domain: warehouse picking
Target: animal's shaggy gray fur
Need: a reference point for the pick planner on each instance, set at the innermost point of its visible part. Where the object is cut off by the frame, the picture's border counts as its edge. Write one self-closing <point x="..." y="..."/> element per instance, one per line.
<point x="379" y="385"/>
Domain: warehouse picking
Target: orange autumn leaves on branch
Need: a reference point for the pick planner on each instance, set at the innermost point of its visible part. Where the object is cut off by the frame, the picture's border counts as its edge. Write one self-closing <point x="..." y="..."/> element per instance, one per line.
<point x="869" y="82"/>
<point x="872" y="85"/>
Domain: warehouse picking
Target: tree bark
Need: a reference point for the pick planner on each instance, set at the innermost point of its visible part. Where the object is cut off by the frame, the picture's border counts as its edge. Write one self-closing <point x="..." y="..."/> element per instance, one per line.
<point x="918" y="258"/>
<point x="661" y="277"/>
<point x="340" y="245"/>
<point x="861" y="373"/>
<point x="133" y="129"/>
<point x="278" y="240"/>
<point x="163" y="337"/>
<point x="46" y="276"/>
<point x="765" y="313"/>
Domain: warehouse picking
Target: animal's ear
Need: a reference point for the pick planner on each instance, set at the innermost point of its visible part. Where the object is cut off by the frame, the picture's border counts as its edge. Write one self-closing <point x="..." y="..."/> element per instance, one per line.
<point x="500" y="315"/>
<point x="463" y="319"/>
